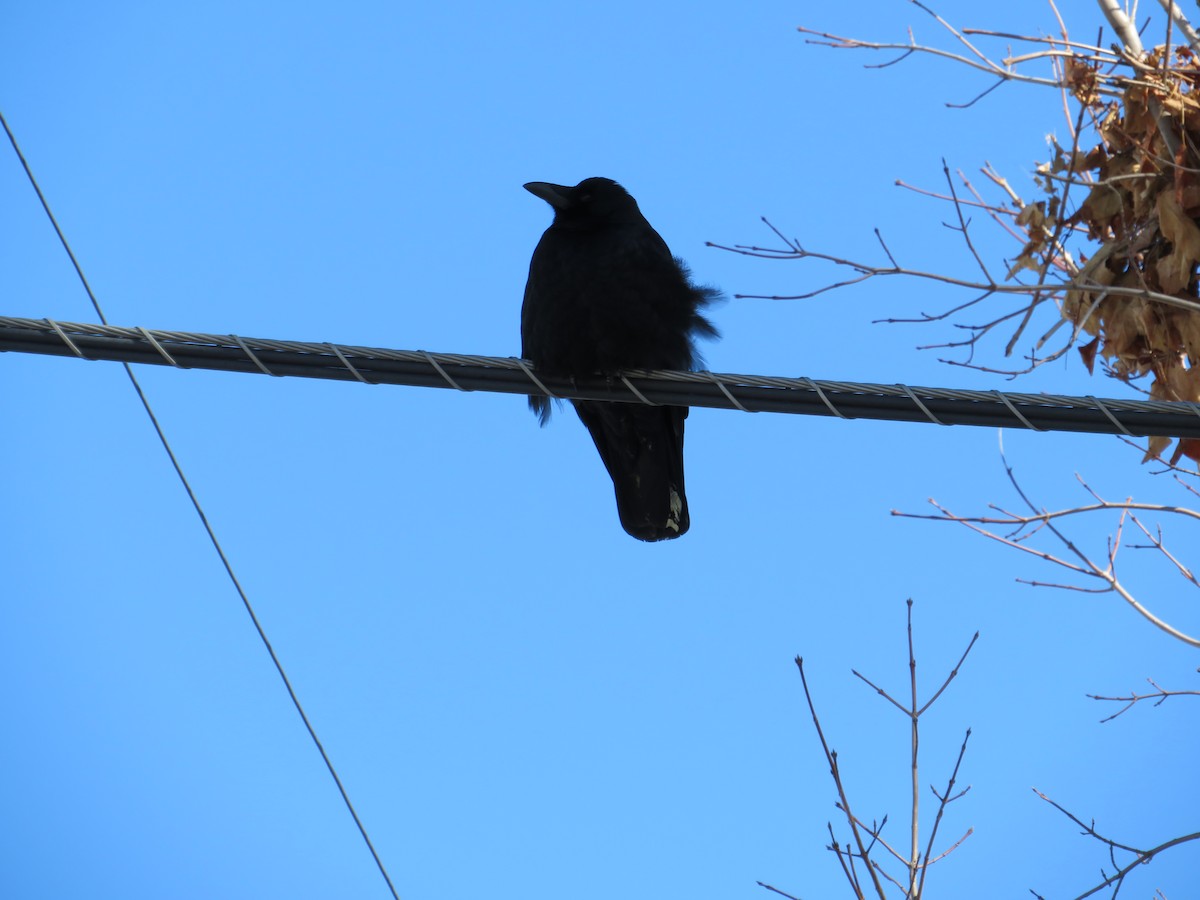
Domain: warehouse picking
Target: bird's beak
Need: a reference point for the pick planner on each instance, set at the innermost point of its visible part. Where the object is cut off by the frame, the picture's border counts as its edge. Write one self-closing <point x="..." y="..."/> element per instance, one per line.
<point x="556" y="195"/>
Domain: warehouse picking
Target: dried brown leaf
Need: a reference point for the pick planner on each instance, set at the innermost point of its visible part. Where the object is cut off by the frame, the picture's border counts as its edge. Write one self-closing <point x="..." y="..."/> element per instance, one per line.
<point x="1028" y="259"/>
<point x="1155" y="447"/>
<point x="1102" y="204"/>
<point x="1081" y="79"/>
<point x="1187" y="327"/>
<point x="1188" y="196"/>
<point x="1174" y="382"/>
<point x="1088" y="354"/>
<point x="1033" y="216"/>
<point x="1189" y="447"/>
<point x="1176" y="268"/>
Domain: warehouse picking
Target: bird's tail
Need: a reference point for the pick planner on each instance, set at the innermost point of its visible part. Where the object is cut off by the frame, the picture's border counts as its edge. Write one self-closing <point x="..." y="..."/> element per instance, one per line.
<point x="642" y="448"/>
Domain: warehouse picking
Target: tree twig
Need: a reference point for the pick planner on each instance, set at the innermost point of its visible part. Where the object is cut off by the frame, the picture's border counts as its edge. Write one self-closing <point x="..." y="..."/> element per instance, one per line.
<point x="1159" y="697"/>
<point x="1024" y="525"/>
<point x="1140" y="857"/>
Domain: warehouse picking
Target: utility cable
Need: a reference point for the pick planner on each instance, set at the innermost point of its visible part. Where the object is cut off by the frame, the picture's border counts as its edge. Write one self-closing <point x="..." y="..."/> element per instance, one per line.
<point x="203" y="518"/>
<point x="747" y="393"/>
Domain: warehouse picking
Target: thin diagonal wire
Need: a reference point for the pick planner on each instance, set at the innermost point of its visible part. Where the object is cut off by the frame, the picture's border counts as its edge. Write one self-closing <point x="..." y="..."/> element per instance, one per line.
<point x="921" y="406"/>
<point x="1016" y="412"/>
<point x="349" y="366"/>
<point x="159" y="347"/>
<point x="251" y="354"/>
<point x="66" y="340"/>
<point x="204" y="519"/>
<point x="524" y="367"/>
<point x="820" y="393"/>
<point x="438" y="368"/>
<point x="1104" y="409"/>
<point x="737" y="404"/>
<point x="641" y="397"/>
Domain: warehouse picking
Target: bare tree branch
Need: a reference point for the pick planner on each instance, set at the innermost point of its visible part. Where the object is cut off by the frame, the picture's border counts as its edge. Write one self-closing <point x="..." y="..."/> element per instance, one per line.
<point x="1024" y="526"/>
<point x="1159" y="697"/>
<point x="916" y="861"/>
<point x="843" y="802"/>
<point x="1140" y="857"/>
<point x="945" y="798"/>
<point x="776" y="890"/>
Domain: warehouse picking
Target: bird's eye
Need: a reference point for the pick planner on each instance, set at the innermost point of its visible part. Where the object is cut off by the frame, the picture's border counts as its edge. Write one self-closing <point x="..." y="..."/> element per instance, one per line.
<point x="586" y="198"/>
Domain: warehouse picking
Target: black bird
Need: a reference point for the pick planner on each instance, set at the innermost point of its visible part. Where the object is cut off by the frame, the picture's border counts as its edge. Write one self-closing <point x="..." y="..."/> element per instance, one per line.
<point x="605" y="293"/>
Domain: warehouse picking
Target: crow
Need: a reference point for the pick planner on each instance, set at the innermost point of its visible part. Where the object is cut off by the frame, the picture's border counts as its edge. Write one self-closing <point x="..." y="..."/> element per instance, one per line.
<point x="604" y="293"/>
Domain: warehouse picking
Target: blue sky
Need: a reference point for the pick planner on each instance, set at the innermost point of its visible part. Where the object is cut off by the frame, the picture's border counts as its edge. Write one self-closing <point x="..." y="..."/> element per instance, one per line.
<point x="522" y="700"/>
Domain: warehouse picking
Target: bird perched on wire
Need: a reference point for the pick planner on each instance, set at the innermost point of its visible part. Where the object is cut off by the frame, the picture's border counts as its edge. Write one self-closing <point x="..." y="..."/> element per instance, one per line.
<point x="605" y="293"/>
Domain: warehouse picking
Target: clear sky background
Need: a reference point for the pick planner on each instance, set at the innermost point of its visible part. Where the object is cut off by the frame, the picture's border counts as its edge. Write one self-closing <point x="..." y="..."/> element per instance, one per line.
<point x="523" y="701"/>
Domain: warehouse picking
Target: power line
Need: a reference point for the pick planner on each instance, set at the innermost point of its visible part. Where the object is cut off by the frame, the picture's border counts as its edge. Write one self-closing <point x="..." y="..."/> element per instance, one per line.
<point x="203" y="518"/>
<point x="750" y="393"/>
